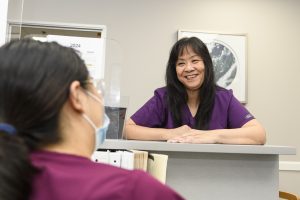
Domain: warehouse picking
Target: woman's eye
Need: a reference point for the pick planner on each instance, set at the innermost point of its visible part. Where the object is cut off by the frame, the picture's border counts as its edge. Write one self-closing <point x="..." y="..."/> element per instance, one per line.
<point x="195" y="61"/>
<point x="180" y="64"/>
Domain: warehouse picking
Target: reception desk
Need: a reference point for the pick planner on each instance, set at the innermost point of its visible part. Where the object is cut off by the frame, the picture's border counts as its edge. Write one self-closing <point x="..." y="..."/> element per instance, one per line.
<point x="217" y="171"/>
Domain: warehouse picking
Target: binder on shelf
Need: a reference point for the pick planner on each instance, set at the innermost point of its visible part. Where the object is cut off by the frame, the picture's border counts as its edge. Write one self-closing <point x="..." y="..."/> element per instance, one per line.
<point x="154" y="164"/>
<point x="115" y="158"/>
<point x="108" y="157"/>
<point x="101" y="156"/>
<point x="127" y="160"/>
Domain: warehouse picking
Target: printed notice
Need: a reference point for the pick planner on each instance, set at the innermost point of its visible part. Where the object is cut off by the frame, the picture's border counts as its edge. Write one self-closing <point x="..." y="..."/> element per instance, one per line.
<point x="91" y="51"/>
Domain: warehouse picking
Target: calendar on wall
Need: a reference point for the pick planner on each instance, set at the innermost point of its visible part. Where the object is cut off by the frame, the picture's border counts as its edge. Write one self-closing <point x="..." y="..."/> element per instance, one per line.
<point x="88" y="40"/>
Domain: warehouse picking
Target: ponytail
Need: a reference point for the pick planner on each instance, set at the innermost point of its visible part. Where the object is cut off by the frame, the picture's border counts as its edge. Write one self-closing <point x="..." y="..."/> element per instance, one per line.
<point x="16" y="170"/>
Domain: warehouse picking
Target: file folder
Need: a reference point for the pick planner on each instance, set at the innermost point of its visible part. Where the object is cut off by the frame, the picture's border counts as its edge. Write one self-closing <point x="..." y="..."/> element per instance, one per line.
<point x="157" y="166"/>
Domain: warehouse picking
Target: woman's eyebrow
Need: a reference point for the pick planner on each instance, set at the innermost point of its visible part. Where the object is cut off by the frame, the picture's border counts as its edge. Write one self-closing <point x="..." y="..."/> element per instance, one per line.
<point x="195" y="56"/>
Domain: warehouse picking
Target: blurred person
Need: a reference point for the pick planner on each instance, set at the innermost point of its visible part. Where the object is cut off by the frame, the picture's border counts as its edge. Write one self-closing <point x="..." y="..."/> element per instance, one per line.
<point x="51" y="119"/>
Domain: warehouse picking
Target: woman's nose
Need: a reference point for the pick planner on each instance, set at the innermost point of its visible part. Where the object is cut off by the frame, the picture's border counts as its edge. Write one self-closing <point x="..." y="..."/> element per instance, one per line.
<point x="189" y="67"/>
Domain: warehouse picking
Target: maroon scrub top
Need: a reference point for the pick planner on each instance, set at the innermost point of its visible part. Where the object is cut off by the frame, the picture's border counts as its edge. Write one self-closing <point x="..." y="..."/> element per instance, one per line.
<point x="65" y="176"/>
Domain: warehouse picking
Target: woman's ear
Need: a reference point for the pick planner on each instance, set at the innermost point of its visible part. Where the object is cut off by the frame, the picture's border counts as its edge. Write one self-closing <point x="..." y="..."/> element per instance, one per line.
<point x="76" y="97"/>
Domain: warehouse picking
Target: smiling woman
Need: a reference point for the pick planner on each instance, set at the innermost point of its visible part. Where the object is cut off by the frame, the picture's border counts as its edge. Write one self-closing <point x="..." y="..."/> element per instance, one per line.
<point x="190" y="69"/>
<point x="191" y="107"/>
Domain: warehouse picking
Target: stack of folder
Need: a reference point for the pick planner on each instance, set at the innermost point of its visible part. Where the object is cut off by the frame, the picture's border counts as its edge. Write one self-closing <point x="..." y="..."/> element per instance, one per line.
<point x="140" y="159"/>
<point x="154" y="164"/>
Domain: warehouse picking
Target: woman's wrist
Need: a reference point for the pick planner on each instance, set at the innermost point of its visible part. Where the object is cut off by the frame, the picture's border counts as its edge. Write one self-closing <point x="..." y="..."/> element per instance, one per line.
<point x="166" y="135"/>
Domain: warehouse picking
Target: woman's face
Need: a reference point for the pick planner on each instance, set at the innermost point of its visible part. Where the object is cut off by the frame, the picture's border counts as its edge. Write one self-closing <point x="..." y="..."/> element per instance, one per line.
<point x="190" y="69"/>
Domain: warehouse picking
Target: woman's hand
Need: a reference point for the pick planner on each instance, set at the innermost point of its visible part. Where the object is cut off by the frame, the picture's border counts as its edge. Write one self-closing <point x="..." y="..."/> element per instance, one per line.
<point x="136" y="132"/>
<point x="177" y="132"/>
<point x="250" y="133"/>
<point x="195" y="136"/>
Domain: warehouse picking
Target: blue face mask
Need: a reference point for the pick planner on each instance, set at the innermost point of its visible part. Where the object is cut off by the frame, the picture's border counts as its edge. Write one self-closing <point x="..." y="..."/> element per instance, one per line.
<point x="100" y="132"/>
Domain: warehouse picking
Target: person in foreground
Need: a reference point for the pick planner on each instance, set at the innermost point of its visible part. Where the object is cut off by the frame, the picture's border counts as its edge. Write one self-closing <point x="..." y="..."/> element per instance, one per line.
<point x="192" y="108"/>
<point x="51" y="118"/>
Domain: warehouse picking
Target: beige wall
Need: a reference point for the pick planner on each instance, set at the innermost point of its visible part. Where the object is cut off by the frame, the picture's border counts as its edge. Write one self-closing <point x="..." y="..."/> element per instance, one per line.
<point x="146" y="31"/>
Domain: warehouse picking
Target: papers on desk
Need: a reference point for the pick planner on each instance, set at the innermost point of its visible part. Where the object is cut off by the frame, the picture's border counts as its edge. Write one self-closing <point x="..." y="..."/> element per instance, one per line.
<point x="154" y="164"/>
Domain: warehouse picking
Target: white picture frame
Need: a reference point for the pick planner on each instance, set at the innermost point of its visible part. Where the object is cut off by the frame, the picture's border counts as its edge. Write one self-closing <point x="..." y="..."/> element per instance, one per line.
<point x="228" y="52"/>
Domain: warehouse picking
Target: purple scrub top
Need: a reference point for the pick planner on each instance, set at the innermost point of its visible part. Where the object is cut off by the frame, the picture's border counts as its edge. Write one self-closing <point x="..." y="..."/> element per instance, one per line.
<point x="227" y="113"/>
<point x="65" y="176"/>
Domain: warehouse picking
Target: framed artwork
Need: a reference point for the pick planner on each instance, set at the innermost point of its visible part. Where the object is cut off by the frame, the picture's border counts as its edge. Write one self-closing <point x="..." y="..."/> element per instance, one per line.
<point x="228" y="53"/>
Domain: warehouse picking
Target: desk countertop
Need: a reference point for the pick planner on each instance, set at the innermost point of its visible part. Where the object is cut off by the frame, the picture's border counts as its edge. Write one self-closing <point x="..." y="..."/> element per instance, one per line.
<point x="205" y="148"/>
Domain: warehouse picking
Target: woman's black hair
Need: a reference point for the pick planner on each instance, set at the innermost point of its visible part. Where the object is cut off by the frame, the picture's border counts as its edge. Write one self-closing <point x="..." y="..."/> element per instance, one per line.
<point x="34" y="85"/>
<point x="176" y="91"/>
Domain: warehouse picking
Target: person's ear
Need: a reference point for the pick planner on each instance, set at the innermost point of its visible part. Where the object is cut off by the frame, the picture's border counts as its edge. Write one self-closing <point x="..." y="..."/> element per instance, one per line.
<point x="76" y="96"/>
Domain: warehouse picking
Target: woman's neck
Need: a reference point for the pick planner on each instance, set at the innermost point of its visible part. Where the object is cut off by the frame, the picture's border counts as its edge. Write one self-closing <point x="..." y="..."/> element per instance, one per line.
<point x="76" y="138"/>
<point x="64" y="148"/>
<point x="193" y="101"/>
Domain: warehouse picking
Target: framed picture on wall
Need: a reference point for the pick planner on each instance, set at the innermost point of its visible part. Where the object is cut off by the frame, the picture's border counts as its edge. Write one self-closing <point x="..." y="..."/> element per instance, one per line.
<point x="228" y="53"/>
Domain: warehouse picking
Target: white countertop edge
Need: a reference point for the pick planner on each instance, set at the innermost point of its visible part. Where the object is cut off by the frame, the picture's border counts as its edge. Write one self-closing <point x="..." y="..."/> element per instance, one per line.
<point x="205" y="148"/>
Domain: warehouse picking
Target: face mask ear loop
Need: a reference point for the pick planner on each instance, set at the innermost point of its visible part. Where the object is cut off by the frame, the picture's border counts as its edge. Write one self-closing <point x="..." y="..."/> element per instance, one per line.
<point x="89" y="121"/>
<point x="95" y="98"/>
<point x="106" y="121"/>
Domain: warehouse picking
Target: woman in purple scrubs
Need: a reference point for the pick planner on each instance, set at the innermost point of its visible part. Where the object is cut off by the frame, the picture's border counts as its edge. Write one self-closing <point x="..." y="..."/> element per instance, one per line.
<point x="191" y="107"/>
<point x="51" y="118"/>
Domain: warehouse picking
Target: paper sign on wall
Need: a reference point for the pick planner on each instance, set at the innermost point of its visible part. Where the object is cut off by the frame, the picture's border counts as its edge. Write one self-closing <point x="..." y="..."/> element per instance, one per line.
<point x="90" y="50"/>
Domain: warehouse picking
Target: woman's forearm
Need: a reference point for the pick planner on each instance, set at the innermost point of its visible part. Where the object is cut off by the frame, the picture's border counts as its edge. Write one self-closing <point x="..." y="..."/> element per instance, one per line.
<point x="136" y="132"/>
<point x="244" y="135"/>
<point x="251" y="133"/>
